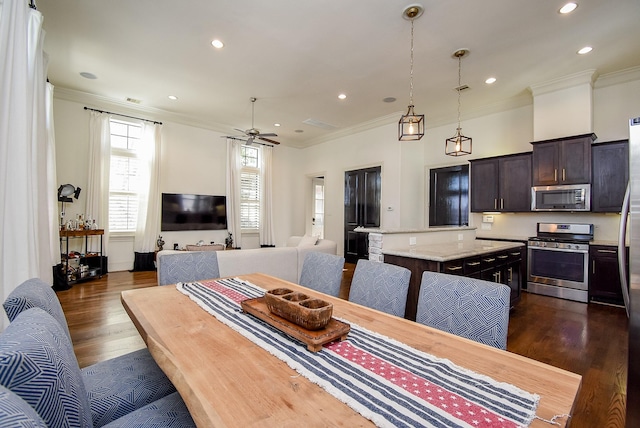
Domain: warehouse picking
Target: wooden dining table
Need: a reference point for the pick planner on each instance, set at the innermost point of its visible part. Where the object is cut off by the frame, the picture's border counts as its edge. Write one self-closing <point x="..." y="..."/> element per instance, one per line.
<point x="227" y="380"/>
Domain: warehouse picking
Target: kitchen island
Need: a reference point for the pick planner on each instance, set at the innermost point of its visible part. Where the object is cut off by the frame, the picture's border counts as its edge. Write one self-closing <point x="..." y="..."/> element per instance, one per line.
<point x="496" y="261"/>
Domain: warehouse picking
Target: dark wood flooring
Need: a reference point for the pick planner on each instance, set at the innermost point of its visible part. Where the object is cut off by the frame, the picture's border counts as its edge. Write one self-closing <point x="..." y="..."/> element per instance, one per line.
<point x="590" y="340"/>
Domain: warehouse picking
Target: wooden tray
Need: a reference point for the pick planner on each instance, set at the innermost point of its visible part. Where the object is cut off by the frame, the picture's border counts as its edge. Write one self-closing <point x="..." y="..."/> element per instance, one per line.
<point x="313" y="339"/>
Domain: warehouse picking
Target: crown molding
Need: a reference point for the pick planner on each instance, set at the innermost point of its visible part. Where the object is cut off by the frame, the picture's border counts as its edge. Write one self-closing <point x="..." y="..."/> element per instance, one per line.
<point x="618" y="77"/>
<point x="565" y="82"/>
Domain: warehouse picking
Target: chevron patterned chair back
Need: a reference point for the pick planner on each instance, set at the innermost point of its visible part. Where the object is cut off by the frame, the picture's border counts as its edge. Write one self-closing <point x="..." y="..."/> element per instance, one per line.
<point x="187" y="267"/>
<point x="322" y="272"/>
<point x="466" y="307"/>
<point x="16" y="413"/>
<point x="116" y="386"/>
<point x="37" y="363"/>
<point x="380" y="286"/>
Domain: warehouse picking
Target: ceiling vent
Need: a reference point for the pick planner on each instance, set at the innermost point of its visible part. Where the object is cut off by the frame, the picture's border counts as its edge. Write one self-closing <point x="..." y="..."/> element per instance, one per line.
<point x="133" y="100"/>
<point x="319" y="124"/>
<point x="461" y="88"/>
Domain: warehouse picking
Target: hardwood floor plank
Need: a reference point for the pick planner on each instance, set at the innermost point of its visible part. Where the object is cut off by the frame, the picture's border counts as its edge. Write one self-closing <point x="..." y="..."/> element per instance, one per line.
<point x="590" y="340"/>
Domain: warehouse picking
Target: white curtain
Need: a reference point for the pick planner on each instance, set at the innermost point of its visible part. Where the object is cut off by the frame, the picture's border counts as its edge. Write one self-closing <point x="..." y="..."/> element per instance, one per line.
<point x="27" y="226"/>
<point x="266" y="198"/>
<point x="98" y="184"/>
<point x="234" y="165"/>
<point x="148" y="224"/>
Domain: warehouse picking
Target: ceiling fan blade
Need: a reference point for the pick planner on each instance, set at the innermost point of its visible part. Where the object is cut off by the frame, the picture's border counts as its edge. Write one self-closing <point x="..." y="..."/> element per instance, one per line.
<point x="270" y="134"/>
<point x="267" y="139"/>
<point x="240" y="130"/>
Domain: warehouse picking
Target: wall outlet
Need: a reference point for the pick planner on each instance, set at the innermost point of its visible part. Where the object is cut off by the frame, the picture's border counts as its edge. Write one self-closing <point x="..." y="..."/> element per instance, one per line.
<point x="460" y="236"/>
<point x="412" y="240"/>
<point x="487" y="218"/>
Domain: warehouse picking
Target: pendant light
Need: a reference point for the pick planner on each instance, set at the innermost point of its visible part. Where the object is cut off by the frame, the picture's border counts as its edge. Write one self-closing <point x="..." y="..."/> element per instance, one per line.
<point x="458" y="145"/>
<point x="411" y="125"/>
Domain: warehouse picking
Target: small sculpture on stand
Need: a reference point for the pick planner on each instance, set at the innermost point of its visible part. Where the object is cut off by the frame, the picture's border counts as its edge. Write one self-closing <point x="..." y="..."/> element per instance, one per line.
<point x="228" y="241"/>
<point x="160" y="242"/>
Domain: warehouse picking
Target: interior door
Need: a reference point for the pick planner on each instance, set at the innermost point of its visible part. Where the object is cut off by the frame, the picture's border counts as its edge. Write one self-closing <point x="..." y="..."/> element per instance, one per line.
<point x="449" y="196"/>
<point x="361" y="209"/>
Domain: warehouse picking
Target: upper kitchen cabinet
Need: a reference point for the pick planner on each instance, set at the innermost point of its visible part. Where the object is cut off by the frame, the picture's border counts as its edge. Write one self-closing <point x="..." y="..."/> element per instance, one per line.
<point x="610" y="167"/>
<point x="501" y="183"/>
<point x="562" y="160"/>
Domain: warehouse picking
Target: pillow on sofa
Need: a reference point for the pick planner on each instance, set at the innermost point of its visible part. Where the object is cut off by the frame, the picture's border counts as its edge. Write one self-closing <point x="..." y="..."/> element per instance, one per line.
<point x="308" y="241"/>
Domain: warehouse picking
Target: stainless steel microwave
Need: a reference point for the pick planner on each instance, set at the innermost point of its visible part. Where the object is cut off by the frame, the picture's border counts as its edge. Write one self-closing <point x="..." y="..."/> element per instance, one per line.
<point x="569" y="197"/>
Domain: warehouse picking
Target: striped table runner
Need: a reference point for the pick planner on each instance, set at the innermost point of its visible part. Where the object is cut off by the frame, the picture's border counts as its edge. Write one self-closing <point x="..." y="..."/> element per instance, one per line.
<point x="387" y="382"/>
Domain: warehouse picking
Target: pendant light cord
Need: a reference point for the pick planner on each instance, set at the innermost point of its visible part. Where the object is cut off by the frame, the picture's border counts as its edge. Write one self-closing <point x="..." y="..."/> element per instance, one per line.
<point x="411" y="68"/>
<point x="459" y="88"/>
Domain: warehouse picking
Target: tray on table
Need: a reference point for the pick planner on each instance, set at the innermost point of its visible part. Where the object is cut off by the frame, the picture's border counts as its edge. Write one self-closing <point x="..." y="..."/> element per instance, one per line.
<point x="314" y="339"/>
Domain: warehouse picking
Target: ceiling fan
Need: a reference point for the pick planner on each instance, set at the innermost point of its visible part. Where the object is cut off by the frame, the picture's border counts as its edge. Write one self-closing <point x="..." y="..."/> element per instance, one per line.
<point x="252" y="135"/>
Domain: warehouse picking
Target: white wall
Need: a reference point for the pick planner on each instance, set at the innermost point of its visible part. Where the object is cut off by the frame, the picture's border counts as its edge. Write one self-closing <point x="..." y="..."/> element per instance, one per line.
<point x="193" y="161"/>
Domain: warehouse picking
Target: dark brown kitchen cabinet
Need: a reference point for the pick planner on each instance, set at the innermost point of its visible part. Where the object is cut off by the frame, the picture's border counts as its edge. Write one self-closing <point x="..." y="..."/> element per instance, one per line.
<point x="610" y="174"/>
<point x="562" y="160"/>
<point x="501" y="183"/>
<point x="505" y="267"/>
<point x="604" y="276"/>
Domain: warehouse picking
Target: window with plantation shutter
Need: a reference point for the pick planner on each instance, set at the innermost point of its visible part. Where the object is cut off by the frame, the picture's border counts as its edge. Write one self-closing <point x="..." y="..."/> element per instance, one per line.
<point x="250" y="189"/>
<point x="124" y="179"/>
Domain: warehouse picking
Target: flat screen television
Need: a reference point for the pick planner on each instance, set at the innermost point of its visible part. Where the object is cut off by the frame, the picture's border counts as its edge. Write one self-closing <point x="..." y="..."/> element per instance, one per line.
<point x="193" y="212"/>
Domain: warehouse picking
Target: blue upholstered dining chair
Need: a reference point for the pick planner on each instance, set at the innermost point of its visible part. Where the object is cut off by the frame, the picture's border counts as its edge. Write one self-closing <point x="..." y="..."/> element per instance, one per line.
<point x="187" y="267"/>
<point x="322" y="272"/>
<point x="380" y="286"/>
<point x="37" y="363"/>
<point x="116" y="386"/>
<point x="17" y="413"/>
<point x="467" y="307"/>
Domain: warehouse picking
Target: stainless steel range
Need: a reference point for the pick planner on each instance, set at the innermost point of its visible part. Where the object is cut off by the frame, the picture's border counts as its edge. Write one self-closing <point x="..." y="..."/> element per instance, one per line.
<point x="558" y="260"/>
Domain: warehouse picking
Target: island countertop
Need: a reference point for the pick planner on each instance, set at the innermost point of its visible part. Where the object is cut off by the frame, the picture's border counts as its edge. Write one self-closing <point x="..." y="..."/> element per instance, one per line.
<point x="451" y="251"/>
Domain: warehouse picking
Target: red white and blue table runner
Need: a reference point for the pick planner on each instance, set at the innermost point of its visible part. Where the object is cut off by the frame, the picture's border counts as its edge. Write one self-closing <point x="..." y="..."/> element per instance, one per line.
<point x="387" y="382"/>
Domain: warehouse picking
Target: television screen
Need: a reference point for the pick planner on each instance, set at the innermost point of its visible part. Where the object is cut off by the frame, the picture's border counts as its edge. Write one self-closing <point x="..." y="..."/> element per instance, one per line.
<point x="193" y="212"/>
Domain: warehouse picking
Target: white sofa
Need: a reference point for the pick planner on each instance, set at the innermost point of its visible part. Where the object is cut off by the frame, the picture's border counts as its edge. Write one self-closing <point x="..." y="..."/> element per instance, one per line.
<point x="281" y="262"/>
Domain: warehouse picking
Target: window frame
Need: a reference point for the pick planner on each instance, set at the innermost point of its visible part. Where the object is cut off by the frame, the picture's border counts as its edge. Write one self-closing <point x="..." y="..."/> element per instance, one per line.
<point x="250" y="167"/>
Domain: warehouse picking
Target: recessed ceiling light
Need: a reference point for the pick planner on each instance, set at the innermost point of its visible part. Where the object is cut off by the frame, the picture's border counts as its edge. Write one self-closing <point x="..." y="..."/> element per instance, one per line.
<point x="585" y="50"/>
<point x="172" y="97"/>
<point x="389" y="99"/>
<point x="276" y="124"/>
<point x="88" y="75"/>
<point x="299" y="131"/>
<point x="217" y="44"/>
<point x="568" y="8"/>
<point x="490" y="80"/>
<point x="342" y="96"/>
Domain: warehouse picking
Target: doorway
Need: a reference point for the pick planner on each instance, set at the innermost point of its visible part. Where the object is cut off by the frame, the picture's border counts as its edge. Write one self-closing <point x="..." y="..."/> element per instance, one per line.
<point x="317" y="212"/>
<point x="361" y="209"/>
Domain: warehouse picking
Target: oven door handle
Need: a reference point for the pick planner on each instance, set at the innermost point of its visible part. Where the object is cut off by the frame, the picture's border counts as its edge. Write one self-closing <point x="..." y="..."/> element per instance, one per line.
<point x="564" y="250"/>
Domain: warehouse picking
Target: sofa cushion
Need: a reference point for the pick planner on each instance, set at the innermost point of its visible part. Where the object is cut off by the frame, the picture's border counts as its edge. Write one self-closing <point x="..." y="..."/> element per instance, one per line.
<point x="16" y="413"/>
<point x="38" y="364"/>
<point x="307" y="241"/>
<point x="281" y="262"/>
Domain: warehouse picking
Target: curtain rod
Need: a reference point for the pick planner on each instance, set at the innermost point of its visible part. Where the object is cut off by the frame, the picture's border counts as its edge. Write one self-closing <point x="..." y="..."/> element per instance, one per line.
<point x="32" y="4"/>
<point x="123" y="115"/>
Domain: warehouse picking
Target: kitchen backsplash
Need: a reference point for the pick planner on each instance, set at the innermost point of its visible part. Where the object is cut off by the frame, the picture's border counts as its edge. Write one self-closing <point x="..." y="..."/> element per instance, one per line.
<point x="523" y="225"/>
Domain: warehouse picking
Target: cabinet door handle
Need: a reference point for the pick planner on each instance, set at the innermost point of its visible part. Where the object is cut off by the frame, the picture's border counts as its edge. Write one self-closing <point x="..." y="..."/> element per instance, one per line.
<point x="454" y="268"/>
<point x="495" y="203"/>
<point x="517" y="253"/>
<point x="502" y="257"/>
<point x="473" y="263"/>
<point x="608" y="251"/>
<point x="510" y="274"/>
<point x="501" y="203"/>
<point x="564" y="175"/>
<point x="555" y="174"/>
<point x="593" y="266"/>
<point x="489" y="260"/>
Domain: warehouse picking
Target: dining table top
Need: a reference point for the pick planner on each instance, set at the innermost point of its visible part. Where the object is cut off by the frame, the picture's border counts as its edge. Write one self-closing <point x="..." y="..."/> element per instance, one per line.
<point x="227" y="380"/>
